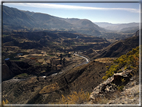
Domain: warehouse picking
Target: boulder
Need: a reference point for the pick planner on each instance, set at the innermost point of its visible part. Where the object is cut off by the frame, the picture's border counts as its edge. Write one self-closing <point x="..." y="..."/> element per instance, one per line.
<point x="110" y="85"/>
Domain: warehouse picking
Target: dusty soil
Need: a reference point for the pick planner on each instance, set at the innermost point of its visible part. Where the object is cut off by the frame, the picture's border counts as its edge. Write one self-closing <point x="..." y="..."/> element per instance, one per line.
<point x="34" y="89"/>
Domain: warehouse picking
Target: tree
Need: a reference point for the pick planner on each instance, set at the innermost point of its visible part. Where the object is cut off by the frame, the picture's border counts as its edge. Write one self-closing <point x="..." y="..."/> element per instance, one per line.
<point x="64" y="61"/>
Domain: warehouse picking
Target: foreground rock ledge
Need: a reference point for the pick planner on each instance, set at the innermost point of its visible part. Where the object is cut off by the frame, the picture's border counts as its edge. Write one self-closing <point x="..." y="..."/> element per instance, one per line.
<point x="108" y="91"/>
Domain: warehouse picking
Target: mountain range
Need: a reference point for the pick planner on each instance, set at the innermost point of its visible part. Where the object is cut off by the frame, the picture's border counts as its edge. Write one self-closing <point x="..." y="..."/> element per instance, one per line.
<point x="124" y="27"/>
<point x="14" y="19"/>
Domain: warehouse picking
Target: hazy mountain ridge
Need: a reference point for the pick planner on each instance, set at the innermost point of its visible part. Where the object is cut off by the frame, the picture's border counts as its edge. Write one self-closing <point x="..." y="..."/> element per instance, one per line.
<point x="124" y="27"/>
<point x="14" y="19"/>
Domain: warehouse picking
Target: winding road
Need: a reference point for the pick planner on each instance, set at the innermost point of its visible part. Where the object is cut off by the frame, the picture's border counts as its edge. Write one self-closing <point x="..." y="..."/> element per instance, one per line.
<point x="87" y="60"/>
<point x="56" y="73"/>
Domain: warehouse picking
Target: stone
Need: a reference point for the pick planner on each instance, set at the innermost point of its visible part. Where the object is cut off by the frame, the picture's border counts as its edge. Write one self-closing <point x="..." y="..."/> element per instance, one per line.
<point x="110" y="85"/>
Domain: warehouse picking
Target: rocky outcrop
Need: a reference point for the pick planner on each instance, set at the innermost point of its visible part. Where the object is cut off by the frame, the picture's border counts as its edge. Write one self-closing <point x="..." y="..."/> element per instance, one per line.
<point x="12" y="68"/>
<point x="129" y="96"/>
<point x="110" y="86"/>
<point x="6" y="73"/>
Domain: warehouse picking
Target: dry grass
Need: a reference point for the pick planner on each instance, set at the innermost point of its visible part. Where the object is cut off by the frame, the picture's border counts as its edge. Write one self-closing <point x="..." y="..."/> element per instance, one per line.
<point x="75" y="98"/>
<point x="105" y="60"/>
<point x="49" y="88"/>
<point x="5" y="102"/>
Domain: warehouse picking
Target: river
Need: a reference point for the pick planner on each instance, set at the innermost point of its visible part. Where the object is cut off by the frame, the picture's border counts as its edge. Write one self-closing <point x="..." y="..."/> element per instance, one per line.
<point x="86" y="62"/>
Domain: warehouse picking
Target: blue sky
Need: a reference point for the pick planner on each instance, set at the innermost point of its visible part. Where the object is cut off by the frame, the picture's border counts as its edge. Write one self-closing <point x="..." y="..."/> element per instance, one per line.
<point x="96" y="12"/>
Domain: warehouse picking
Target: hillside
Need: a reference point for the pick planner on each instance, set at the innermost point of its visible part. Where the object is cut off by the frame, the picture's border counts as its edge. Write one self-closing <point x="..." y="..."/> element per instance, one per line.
<point x="53" y="60"/>
<point x="49" y="89"/>
<point x="56" y="88"/>
<point x="121" y="81"/>
<point x="116" y="49"/>
<point x="45" y="48"/>
<point x="29" y="78"/>
<point x="61" y="41"/>
<point x="14" y="19"/>
<point x="120" y="47"/>
<point x="20" y="20"/>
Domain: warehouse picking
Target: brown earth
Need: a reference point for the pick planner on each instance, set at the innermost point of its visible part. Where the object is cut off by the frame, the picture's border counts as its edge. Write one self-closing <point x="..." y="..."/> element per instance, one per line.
<point x="49" y="90"/>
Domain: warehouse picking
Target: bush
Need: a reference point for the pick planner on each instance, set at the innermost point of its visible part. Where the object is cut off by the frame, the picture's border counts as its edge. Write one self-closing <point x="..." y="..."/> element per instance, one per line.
<point x="128" y="61"/>
<point x="120" y="88"/>
<point x="75" y="98"/>
<point x="5" y="102"/>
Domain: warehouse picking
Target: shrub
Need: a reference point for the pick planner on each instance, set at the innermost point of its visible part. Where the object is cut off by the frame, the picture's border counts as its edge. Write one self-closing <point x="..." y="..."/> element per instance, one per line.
<point x="5" y="102"/>
<point x="128" y="61"/>
<point x="120" y="88"/>
<point x="49" y="88"/>
<point x="75" y="98"/>
<point x="123" y="80"/>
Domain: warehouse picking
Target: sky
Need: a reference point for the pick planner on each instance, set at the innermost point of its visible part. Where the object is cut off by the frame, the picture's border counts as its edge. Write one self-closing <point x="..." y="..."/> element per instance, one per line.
<point x="96" y="12"/>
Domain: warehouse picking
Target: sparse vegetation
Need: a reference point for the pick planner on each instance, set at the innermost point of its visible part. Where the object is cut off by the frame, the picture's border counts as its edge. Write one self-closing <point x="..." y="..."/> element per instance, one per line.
<point x="44" y="63"/>
<point x="49" y="88"/>
<point x="105" y="60"/>
<point x="5" y="102"/>
<point x="22" y="75"/>
<point x="120" y="88"/>
<point x="128" y="61"/>
<point x="75" y="98"/>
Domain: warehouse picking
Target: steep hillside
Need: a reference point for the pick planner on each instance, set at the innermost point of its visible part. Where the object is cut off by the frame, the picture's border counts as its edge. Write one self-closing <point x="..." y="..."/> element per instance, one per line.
<point x="119" y="48"/>
<point x="84" y="24"/>
<point x="49" y="89"/>
<point x="122" y="81"/>
<point x="14" y="19"/>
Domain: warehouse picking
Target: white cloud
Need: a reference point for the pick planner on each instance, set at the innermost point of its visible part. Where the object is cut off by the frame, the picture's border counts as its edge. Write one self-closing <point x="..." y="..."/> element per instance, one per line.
<point x="53" y="5"/>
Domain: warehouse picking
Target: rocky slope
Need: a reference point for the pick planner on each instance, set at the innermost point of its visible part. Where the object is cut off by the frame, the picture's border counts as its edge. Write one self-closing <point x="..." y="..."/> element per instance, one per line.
<point x="122" y="84"/>
<point x="107" y="92"/>
<point x="49" y="89"/>
<point x="120" y="47"/>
